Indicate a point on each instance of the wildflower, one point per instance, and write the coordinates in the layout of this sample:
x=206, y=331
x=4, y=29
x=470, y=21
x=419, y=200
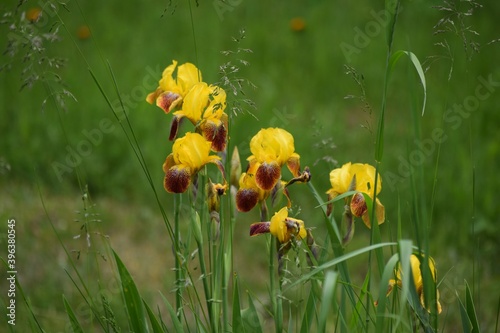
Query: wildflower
x=204, y=107
x=415, y=264
x=250, y=194
x=360, y=178
x=281, y=226
x=83, y=32
x=271, y=149
x=297, y=24
x=189, y=154
x=214, y=192
x=33, y=14
x=171, y=92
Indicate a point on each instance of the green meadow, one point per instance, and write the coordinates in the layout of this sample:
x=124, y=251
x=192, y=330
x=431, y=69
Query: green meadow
x=409, y=87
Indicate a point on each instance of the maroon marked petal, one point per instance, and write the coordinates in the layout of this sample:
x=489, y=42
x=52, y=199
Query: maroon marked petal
x=177, y=180
x=174, y=127
x=168, y=100
x=267, y=175
x=259, y=228
x=246, y=199
x=358, y=205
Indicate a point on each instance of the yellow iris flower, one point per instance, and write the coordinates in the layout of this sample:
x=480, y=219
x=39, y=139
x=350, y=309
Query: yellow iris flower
x=361, y=178
x=285, y=228
x=417, y=279
x=204, y=106
x=281, y=226
x=271, y=149
x=249, y=194
x=170, y=92
x=189, y=154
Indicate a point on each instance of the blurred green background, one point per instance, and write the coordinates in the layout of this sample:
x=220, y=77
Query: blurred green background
x=318, y=70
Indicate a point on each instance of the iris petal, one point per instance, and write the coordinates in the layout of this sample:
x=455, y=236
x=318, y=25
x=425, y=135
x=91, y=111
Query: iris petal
x=168, y=100
x=259, y=228
x=267, y=175
x=177, y=179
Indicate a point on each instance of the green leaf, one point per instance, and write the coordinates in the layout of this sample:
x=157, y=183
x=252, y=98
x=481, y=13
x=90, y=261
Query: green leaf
x=133, y=301
x=75, y=325
x=250, y=318
x=391, y=7
x=237, y=320
x=471, y=310
x=387, y=274
x=173, y=316
x=466, y=323
x=155, y=324
x=327, y=298
x=416, y=63
x=309, y=313
x=337, y=261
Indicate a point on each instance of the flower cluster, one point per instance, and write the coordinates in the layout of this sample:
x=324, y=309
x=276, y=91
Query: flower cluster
x=188, y=97
x=203, y=105
x=272, y=148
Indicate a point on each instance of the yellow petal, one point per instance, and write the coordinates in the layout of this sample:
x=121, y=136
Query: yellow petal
x=340, y=179
x=167, y=82
x=365, y=178
x=272, y=144
x=195, y=102
x=192, y=150
x=278, y=227
x=187, y=76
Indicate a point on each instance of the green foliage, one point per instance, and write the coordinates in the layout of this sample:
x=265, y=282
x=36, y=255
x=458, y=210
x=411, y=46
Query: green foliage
x=95, y=128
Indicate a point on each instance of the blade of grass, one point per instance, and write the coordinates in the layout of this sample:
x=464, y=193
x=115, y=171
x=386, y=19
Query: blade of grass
x=336, y=261
x=471, y=310
x=327, y=299
x=250, y=317
x=237, y=319
x=75, y=325
x=418, y=67
x=309, y=313
x=132, y=299
x=155, y=325
x=173, y=315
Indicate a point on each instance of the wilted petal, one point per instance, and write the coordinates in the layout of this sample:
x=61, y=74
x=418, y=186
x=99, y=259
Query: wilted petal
x=379, y=214
x=259, y=228
x=293, y=164
x=358, y=205
x=267, y=175
x=177, y=179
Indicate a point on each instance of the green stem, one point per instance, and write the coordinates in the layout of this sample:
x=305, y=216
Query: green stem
x=177, y=241
x=276, y=300
x=225, y=268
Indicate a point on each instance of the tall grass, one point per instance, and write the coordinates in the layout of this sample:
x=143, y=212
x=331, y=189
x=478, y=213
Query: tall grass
x=207, y=292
